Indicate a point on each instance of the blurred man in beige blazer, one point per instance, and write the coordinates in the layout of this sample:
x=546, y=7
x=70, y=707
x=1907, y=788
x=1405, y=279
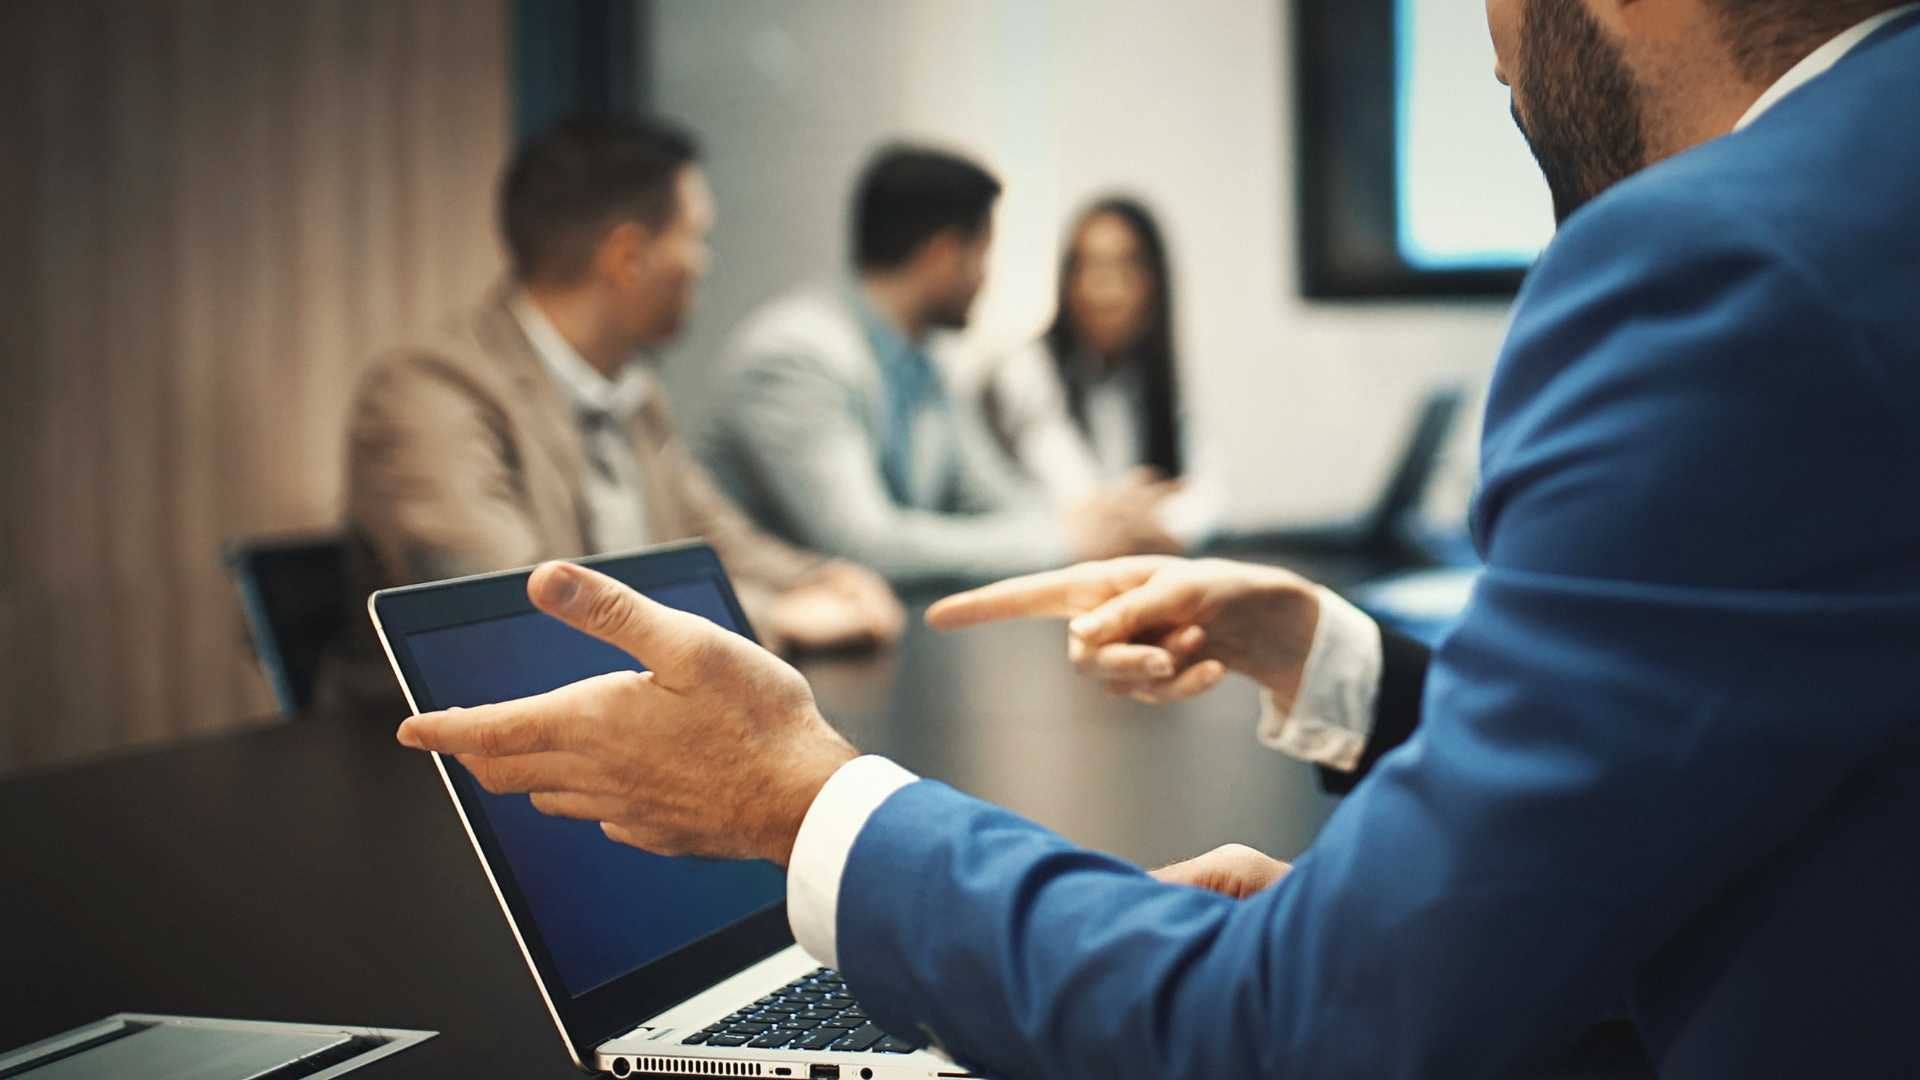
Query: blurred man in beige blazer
x=532, y=428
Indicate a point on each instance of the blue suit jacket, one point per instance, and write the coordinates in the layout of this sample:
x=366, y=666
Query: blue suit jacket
x=1672, y=756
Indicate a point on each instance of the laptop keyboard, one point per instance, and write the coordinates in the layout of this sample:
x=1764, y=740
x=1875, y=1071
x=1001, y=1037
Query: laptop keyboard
x=813, y=1012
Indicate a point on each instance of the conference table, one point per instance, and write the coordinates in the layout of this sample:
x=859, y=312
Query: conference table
x=311, y=870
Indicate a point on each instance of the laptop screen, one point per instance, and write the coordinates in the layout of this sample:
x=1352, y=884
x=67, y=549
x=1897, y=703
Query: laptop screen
x=603, y=909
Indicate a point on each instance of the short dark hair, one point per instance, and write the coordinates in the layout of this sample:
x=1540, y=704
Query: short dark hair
x=1770, y=36
x=907, y=195
x=568, y=185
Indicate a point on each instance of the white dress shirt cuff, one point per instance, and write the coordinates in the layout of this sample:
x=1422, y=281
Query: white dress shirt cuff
x=825, y=843
x=1332, y=716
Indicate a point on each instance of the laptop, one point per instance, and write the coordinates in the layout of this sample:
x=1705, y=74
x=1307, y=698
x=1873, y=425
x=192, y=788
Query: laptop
x=1391, y=527
x=648, y=965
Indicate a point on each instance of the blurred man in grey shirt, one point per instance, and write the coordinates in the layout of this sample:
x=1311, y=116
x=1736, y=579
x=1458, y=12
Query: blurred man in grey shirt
x=834, y=427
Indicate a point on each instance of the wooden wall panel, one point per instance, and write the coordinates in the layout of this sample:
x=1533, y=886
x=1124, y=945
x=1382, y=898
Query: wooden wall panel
x=19, y=329
x=217, y=212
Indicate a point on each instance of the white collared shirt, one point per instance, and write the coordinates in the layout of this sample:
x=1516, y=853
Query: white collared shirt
x=1331, y=718
x=1072, y=463
x=603, y=410
x=1819, y=62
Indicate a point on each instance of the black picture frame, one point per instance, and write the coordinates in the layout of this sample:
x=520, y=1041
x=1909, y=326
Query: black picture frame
x=1346, y=98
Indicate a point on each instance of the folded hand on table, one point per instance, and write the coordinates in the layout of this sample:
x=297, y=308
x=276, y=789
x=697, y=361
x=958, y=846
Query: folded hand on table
x=1123, y=519
x=841, y=604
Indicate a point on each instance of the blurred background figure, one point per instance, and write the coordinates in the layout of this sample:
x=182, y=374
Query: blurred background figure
x=227, y=213
x=532, y=427
x=1096, y=400
x=835, y=426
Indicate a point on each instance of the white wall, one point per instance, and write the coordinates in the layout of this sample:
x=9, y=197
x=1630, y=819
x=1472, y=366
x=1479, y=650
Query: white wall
x=1187, y=104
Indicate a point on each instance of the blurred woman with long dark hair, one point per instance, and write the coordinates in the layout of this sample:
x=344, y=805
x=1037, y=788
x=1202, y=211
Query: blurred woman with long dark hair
x=1096, y=400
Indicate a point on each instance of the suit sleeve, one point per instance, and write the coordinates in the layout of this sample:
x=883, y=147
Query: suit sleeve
x=430, y=481
x=1614, y=737
x=797, y=430
x=1396, y=712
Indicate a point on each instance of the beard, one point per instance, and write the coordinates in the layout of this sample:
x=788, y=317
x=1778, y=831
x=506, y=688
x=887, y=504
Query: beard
x=953, y=313
x=1582, y=115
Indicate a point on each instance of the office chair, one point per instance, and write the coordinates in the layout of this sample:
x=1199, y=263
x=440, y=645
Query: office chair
x=290, y=592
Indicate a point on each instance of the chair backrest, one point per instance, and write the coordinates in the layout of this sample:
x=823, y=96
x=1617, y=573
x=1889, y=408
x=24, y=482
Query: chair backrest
x=290, y=591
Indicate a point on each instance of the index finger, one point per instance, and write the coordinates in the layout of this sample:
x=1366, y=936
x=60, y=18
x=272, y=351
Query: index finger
x=1055, y=594
x=526, y=726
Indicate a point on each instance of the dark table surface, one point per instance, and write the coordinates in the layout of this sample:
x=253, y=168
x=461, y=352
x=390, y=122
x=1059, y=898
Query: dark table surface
x=313, y=871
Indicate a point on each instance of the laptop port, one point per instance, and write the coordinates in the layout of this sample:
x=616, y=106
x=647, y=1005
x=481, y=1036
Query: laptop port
x=823, y=1072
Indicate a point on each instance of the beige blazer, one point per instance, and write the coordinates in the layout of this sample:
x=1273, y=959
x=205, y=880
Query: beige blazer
x=463, y=457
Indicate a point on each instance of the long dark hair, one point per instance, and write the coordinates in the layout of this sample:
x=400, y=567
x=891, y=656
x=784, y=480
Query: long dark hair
x=1152, y=355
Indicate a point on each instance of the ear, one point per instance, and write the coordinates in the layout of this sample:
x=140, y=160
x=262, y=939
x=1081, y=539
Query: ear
x=623, y=252
x=944, y=249
x=1615, y=16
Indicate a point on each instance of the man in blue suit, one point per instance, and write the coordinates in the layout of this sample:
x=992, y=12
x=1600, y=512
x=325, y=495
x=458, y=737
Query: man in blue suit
x=1670, y=758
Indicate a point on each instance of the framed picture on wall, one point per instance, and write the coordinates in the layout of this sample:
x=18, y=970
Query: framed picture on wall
x=1413, y=178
